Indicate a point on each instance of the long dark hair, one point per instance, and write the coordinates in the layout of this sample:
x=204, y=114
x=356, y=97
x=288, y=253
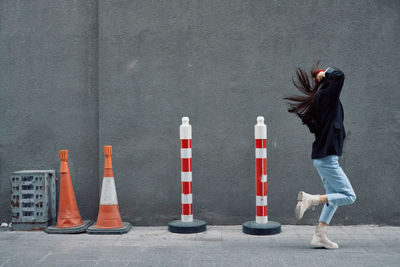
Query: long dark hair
x=304, y=106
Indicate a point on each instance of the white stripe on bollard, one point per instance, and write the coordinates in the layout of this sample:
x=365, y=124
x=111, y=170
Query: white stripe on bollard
x=186, y=153
x=261, y=153
x=261, y=219
x=262, y=201
x=187, y=218
x=186, y=176
x=187, y=198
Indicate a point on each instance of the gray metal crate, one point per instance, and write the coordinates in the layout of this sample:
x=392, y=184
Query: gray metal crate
x=33, y=199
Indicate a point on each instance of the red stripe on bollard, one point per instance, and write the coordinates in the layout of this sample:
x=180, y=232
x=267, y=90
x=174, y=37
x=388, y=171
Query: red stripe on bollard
x=186, y=165
x=261, y=143
x=186, y=143
x=260, y=191
x=259, y=188
x=186, y=187
x=187, y=209
x=260, y=210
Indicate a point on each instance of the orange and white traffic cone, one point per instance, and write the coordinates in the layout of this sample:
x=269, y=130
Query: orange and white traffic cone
x=109, y=220
x=69, y=219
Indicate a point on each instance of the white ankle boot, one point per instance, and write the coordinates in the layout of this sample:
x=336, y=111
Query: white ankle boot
x=305, y=201
x=320, y=240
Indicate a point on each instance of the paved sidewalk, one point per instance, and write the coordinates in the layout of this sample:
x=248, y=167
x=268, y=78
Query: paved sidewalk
x=219, y=246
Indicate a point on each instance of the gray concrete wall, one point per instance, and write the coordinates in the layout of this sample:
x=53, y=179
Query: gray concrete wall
x=222, y=63
x=48, y=93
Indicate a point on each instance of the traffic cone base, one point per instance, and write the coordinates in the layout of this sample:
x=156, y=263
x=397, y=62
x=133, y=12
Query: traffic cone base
x=93, y=230
x=72, y=230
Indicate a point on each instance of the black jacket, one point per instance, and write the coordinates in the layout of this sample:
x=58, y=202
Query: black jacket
x=329, y=114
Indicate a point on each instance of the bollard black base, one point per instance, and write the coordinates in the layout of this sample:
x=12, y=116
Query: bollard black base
x=73, y=230
x=92, y=230
x=253, y=228
x=197, y=226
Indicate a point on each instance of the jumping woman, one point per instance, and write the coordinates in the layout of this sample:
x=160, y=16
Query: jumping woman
x=321, y=110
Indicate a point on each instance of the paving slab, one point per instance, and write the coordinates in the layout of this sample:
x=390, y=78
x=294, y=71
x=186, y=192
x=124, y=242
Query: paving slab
x=218, y=246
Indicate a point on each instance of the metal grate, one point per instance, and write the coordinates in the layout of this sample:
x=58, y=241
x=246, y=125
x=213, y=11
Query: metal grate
x=33, y=199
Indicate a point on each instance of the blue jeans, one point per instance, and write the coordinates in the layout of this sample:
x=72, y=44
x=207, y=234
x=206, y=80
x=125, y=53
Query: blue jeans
x=338, y=188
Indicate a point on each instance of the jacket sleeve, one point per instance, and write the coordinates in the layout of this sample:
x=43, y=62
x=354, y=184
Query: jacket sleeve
x=337, y=79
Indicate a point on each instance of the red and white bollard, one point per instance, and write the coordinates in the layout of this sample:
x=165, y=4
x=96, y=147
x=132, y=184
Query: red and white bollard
x=186, y=170
x=261, y=226
x=260, y=132
x=187, y=224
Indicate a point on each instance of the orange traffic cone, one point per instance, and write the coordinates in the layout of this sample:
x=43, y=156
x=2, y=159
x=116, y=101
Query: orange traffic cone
x=109, y=220
x=69, y=219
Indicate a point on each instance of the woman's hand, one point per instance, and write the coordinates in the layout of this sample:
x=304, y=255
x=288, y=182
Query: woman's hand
x=320, y=75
